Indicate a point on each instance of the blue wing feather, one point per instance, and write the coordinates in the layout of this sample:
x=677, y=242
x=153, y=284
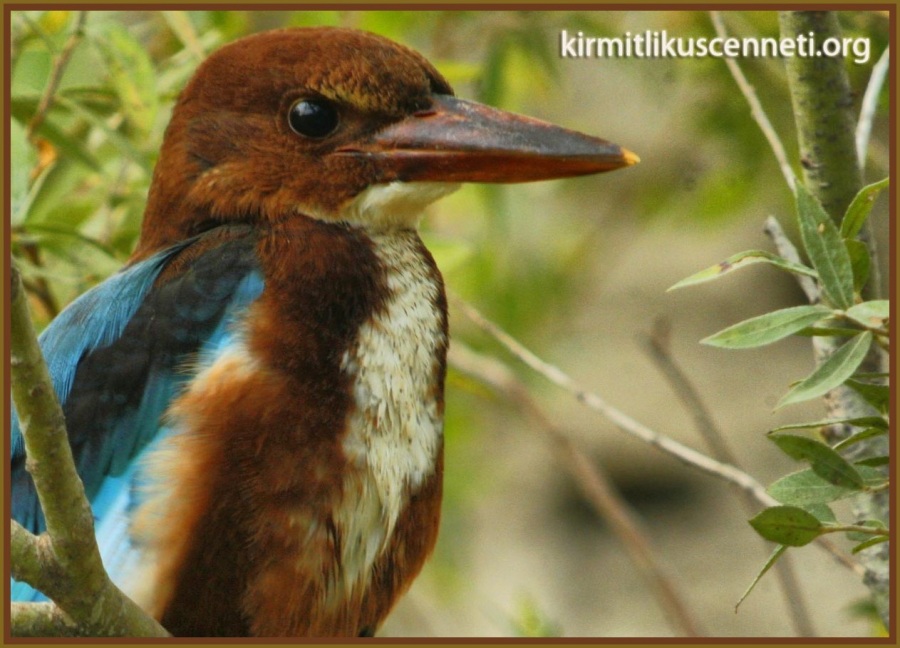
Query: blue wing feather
x=119, y=355
x=94, y=319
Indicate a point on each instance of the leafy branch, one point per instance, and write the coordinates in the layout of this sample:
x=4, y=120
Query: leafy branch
x=849, y=326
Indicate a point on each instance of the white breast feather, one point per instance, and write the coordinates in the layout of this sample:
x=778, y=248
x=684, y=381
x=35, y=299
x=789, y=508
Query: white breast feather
x=395, y=431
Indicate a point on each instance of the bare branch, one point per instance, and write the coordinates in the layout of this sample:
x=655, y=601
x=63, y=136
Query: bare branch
x=591, y=480
x=65, y=563
x=869, y=104
x=787, y=249
x=59, y=66
x=756, y=109
x=659, y=350
x=683, y=453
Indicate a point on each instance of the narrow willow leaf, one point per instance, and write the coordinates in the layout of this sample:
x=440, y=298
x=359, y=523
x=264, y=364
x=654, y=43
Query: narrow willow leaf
x=70, y=147
x=831, y=373
x=805, y=487
x=125, y=147
x=875, y=462
x=824, y=461
x=870, y=313
x=25, y=159
x=859, y=209
x=131, y=72
x=180, y=24
x=870, y=543
x=767, y=328
x=860, y=261
x=878, y=396
x=787, y=525
x=771, y=561
x=859, y=421
x=826, y=249
x=868, y=433
x=742, y=260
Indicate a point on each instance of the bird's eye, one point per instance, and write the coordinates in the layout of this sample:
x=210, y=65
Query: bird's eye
x=313, y=118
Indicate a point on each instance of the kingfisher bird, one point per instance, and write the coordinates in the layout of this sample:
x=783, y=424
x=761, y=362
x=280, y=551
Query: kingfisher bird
x=255, y=401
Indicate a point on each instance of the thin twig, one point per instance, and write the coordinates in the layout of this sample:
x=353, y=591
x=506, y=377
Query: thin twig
x=39, y=287
x=756, y=109
x=679, y=451
x=869, y=105
x=657, y=346
x=659, y=350
x=627, y=424
x=56, y=74
x=787, y=249
x=590, y=478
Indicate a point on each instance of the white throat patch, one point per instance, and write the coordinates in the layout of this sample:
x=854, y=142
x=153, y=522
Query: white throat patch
x=397, y=205
x=396, y=430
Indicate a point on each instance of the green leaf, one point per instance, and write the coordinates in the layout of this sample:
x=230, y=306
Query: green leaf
x=821, y=511
x=824, y=461
x=868, y=433
x=805, y=487
x=125, y=147
x=779, y=550
x=828, y=331
x=787, y=525
x=859, y=209
x=180, y=24
x=742, y=260
x=768, y=328
x=875, y=462
x=24, y=160
x=831, y=373
x=860, y=261
x=871, y=542
x=870, y=313
x=859, y=421
x=132, y=75
x=826, y=249
x=878, y=396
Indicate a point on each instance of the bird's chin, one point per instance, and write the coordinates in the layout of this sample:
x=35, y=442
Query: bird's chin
x=393, y=206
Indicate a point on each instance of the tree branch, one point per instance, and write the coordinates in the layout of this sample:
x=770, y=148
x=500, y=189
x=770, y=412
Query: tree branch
x=670, y=446
x=869, y=105
x=41, y=620
x=822, y=103
x=56, y=74
x=65, y=563
x=659, y=350
x=592, y=481
x=789, y=251
x=756, y=109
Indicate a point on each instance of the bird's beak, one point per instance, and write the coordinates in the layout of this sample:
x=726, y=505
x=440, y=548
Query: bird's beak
x=462, y=141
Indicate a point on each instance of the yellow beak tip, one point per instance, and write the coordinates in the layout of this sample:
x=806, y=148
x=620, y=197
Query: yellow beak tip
x=630, y=158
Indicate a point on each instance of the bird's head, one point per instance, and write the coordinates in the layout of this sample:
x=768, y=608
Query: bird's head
x=339, y=125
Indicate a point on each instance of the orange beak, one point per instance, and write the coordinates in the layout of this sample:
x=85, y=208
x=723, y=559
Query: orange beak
x=462, y=141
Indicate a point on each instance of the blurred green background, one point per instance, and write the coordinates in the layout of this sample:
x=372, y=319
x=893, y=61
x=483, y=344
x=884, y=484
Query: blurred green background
x=575, y=269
